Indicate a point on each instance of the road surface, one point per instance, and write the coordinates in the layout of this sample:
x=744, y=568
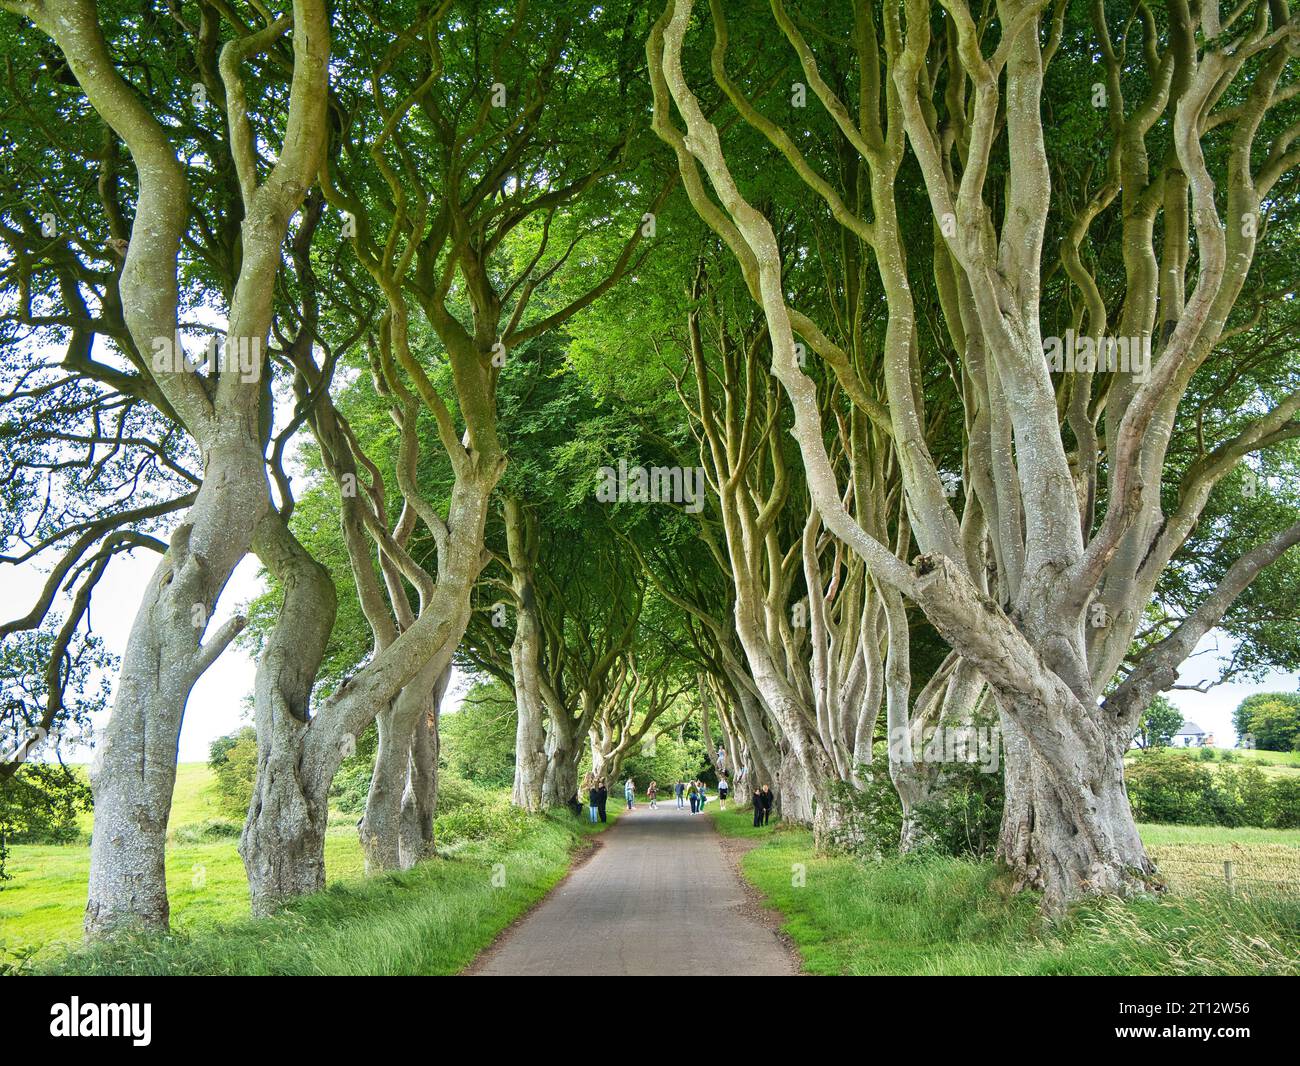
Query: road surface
x=659, y=897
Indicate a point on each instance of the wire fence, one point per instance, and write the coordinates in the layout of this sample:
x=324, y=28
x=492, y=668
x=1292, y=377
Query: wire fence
x=1235, y=876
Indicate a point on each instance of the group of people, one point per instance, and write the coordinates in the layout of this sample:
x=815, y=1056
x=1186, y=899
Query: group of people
x=597, y=795
x=693, y=793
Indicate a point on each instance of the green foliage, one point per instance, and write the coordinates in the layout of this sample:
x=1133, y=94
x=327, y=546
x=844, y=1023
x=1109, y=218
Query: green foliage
x=1178, y=787
x=39, y=804
x=1273, y=724
x=1166, y=786
x=468, y=812
x=350, y=786
x=671, y=758
x=477, y=742
x=961, y=817
x=1158, y=724
x=964, y=815
x=233, y=759
x=1241, y=717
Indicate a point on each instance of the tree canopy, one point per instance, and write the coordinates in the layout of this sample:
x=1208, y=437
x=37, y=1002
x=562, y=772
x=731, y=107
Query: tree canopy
x=796, y=383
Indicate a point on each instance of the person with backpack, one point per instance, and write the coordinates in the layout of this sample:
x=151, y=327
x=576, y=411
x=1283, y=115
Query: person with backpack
x=679, y=790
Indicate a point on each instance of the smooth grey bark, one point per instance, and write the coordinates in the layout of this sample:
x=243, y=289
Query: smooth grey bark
x=420, y=798
x=134, y=771
x=525, y=653
x=283, y=842
x=284, y=838
x=399, y=723
x=563, y=754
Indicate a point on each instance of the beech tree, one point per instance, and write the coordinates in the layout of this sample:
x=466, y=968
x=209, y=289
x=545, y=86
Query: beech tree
x=976, y=326
x=954, y=101
x=135, y=765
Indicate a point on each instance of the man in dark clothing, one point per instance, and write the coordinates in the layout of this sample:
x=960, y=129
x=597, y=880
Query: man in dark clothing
x=602, y=794
x=758, y=807
x=768, y=800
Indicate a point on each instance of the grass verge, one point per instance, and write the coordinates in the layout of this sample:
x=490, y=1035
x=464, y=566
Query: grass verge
x=433, y=919
x=939, y=915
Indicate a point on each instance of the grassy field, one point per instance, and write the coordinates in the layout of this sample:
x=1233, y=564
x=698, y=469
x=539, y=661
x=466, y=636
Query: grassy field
x=934, y=915
x=430, y=920
x=1270, y=763
x=1191, y=857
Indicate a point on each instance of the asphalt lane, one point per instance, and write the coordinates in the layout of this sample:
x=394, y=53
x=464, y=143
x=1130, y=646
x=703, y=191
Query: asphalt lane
x=658, y=898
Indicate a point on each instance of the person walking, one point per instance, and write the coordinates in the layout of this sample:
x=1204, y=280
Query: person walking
x=653, y=793
x=602, y=795
x=679, y=790
x=757, y=800
x=768, y=800
x=694, y=798
x=722, y=793
x=629, y=792
x=704, y=794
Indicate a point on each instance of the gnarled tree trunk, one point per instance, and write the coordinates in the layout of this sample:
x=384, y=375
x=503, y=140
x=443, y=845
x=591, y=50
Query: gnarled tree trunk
x=134, y=771
x=405, y=718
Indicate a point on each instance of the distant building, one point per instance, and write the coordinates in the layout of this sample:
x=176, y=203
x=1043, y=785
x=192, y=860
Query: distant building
x=1191, y=735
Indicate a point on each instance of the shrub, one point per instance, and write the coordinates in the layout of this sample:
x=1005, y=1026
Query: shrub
x=1240, y=795
x=206, y=831
x=39, y=804
x=964, y=815
x=351, y=785
x=1169, y=786
x=455, y=793
x=235, y=766
x=1286, y=803
x=1173, y=786
x=492, y=818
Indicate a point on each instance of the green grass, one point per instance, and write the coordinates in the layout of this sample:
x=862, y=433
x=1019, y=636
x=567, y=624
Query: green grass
x=433, y=919
x=1271, y=763
x=430, y=920
x=1217, y=836
x=41, y=907
x=936, y=915
x=1273, y=758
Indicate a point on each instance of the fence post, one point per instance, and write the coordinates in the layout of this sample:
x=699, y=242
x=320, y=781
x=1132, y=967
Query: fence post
x=1227, y=876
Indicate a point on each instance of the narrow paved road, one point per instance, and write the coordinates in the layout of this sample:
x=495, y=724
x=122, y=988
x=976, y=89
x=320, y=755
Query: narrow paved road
x=658, y=898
